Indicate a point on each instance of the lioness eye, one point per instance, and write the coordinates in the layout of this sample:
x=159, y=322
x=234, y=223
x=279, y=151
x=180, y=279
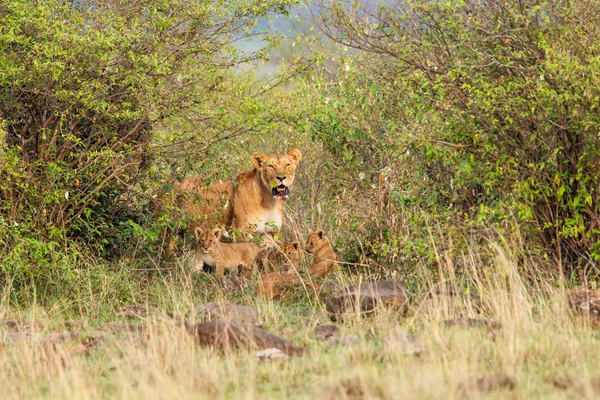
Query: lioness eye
x=287, y=165
x=270, y=166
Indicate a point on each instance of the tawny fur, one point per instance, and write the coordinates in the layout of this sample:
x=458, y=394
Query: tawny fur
x=325, y=258
x=256, y=209
x=253, y=203
x=207, y=205
x=272, y=285
x=282, y=257
x=223, y=256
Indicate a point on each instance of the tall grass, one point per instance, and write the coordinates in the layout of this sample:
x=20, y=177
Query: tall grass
x=538, y=347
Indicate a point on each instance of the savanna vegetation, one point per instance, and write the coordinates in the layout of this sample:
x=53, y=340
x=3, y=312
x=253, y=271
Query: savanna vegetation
x=452, y=143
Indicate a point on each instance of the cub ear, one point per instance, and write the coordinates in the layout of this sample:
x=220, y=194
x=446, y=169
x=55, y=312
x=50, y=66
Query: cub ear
x=320, y=233
x=198, y=232
x=258, y=159
x=295, y=244
x=217, y=233
x=296, y=155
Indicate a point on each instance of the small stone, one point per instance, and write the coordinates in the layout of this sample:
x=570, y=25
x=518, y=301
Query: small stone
x=229, y=311
x=491, y=325
x=324, y=332
x=270, y=354
x=367, y=298
x=343, y=341
x=138, y=311
x=585, y=303
x=485, y=384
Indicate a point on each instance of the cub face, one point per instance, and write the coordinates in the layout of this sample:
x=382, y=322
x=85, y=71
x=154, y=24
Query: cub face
x=207, y=239
x=291, y=251
x=315, y=241
x=277, y=171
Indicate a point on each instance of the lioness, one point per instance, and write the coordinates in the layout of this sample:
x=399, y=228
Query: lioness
x=206, y=204
x=284, y=256
x=325, y=258
x=254, y=200
x=260, y=192
x=222, y=256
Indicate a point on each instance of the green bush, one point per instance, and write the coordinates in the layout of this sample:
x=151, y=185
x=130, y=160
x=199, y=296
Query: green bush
x=83, y=87
x=493, y=106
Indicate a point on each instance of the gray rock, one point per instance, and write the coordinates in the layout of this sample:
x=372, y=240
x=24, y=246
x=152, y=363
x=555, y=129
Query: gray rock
x=324, y=332
x=229, y=335
x=367, y=297
x=491, y=325
x=270, y=354
x=229, y=311
x=585, y=302
x=343, y=341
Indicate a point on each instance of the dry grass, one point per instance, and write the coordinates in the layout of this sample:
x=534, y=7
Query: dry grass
x=540, y=351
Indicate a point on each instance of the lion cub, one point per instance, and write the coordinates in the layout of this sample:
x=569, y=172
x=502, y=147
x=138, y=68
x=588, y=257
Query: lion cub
x=325, y=258
x=282, y=257
x=222, y=256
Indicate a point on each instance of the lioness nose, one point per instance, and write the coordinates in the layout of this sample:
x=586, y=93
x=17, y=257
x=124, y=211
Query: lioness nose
x=281, y=178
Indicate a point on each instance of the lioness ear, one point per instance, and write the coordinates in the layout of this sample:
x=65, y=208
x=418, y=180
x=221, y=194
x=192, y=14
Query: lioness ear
x=320, y=233
x=217, y=233
x=295, y=244
x=198, y=232
x=296, y=155
x=258, y=158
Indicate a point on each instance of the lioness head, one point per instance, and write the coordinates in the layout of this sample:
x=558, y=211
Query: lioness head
x=277, y=171
x=315, y=241
x=207, y=239
x=291, y=250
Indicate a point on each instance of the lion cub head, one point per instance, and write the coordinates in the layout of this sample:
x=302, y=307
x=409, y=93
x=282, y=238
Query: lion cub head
x=277, y=171
x=207, y=239
x=315, y=241
x=291, y=250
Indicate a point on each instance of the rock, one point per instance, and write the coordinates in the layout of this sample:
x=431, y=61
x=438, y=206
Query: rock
x=233, y=312
x=228, y=335
x=446, y=299
x=370, y=296
x=488, y=384
x=23, y=326
x=343, y=341
x=51, y=338
x=72, y=324
x=118, y=326
x=491, y=325
x=324, y=332
x=561, y=382
x=137, y=311
x=585, y=302
x=233, y=283
x=400, y=341
x=270, y=354
x=9, y=323
x=354, y=389
x=331, y=285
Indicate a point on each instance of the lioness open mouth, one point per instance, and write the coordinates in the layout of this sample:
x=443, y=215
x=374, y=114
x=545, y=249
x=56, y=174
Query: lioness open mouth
x=281, y=192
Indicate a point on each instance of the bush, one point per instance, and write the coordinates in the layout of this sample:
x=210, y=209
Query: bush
x=82, y=88
x=502, y=99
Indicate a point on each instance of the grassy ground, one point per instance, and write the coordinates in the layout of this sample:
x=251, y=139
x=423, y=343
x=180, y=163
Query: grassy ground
x=540, y=351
